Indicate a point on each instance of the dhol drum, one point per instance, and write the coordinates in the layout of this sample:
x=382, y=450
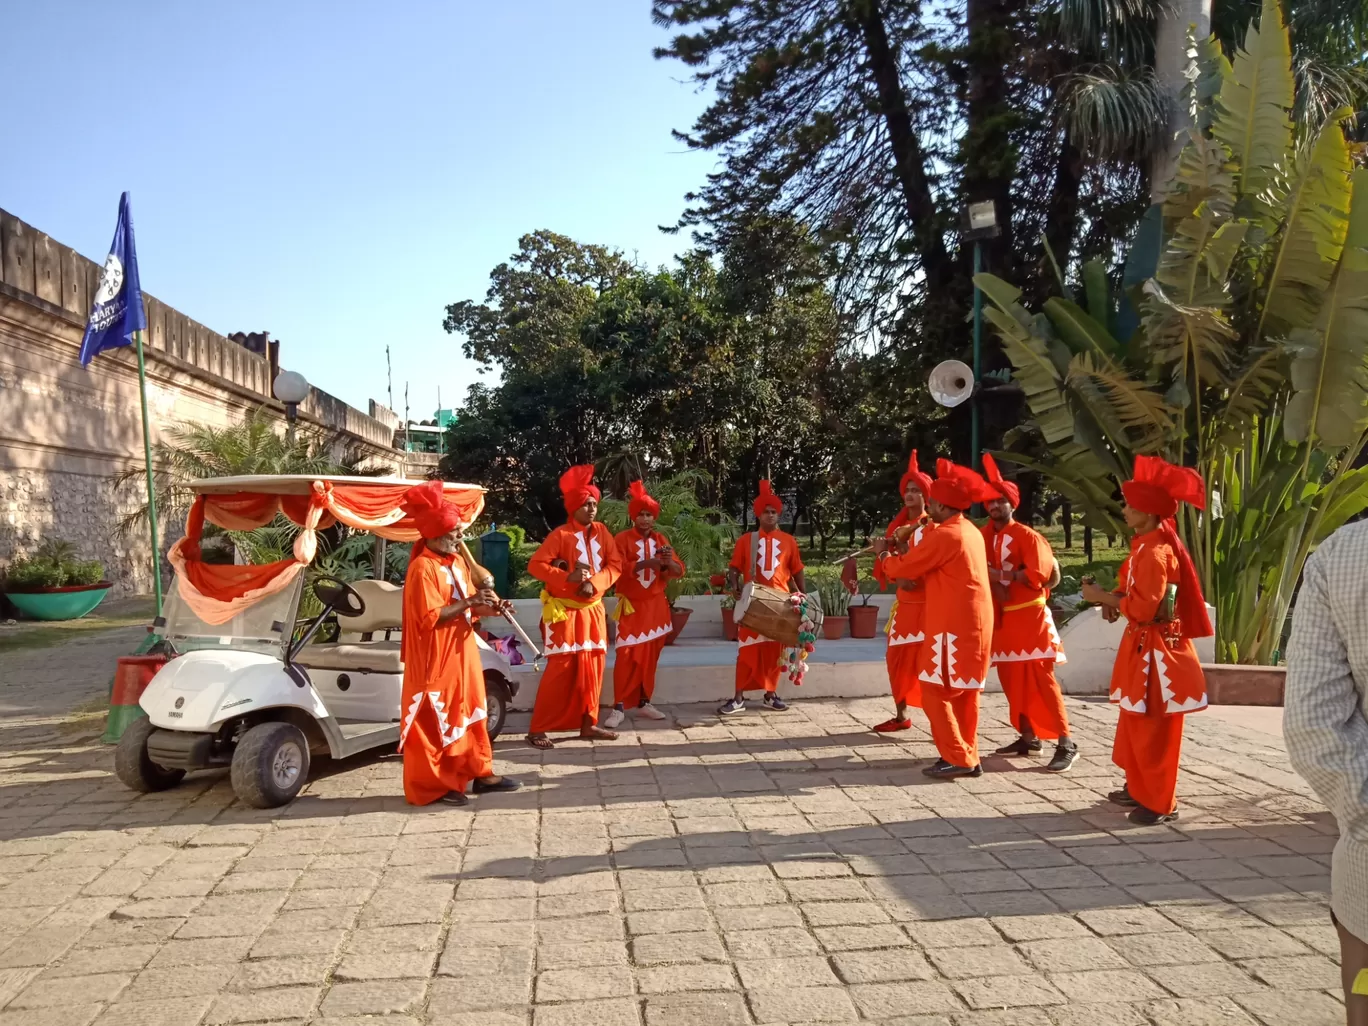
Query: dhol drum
x=768, y=611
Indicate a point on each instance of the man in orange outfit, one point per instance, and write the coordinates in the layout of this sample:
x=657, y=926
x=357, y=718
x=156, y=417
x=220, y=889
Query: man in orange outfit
x=1026, y=645
x=1157, y=679
x=952, y=564
x=577, y=563
x=906, y=617
x=443, y=736
x=766, y=556
x=642, y=612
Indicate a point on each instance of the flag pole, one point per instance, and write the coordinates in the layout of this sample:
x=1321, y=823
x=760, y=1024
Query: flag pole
x=151, y=486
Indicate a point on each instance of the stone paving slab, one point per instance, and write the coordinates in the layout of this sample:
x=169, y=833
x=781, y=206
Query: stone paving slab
x=768, y=869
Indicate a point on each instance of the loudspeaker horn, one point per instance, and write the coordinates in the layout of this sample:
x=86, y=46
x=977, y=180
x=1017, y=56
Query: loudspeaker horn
x=951, y=382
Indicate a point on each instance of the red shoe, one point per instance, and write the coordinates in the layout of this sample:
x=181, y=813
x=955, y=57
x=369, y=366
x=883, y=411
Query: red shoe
x=890, y=726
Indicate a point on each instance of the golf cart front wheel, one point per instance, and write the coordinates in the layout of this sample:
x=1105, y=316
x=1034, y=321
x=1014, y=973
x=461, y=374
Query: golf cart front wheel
x=497, y=701
x=270, y=765
x=134, y=766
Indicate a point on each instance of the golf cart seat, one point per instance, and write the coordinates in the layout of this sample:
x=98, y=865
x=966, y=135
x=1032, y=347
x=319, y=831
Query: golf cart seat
x=384, y=614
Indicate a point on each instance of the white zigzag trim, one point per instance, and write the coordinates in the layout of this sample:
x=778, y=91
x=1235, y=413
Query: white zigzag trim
x=760, y=640
x=968, y=685
x=895, y=640
x=410, y=717
x=584, y=646
x=1114, y=696
x=934, y=677
x=448, y=734
x=627, y=640
x=1191, y=705
x=1137, y=707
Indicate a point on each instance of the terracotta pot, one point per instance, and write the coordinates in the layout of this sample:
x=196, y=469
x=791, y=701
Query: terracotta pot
x=1236, y=684
x=680, y=615
x=864, y=621
x=834, y=627
x=729, y=624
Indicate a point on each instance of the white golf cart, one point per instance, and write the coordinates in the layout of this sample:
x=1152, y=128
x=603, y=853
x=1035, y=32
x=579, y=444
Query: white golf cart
x=256, y=693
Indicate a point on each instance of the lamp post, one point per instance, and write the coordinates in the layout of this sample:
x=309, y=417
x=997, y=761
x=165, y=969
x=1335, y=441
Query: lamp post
x=981, y=221
x=291, y=389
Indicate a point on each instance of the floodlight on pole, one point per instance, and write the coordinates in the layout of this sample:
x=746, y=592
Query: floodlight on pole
x=980, y=219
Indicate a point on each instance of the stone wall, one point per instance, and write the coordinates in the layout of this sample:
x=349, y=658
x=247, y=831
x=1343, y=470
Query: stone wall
x=67, y=432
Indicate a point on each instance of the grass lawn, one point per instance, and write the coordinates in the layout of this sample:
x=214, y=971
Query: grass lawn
x=23, y=634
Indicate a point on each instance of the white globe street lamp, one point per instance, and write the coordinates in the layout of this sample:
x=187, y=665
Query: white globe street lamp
x=291, y=388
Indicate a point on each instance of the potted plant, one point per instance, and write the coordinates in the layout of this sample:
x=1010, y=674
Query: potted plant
x=835, y=608
x=729, y=630
x=53, y=584
x=864, y=618
x=674, y=588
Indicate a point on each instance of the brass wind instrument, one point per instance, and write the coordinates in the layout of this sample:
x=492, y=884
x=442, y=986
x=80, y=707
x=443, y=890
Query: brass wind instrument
x=483, y=579
x=900, y=535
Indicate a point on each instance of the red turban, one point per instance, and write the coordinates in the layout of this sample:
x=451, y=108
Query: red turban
x=1156, y=487
x=432, y=515
x=959, y=487
x=577, y=486
x=1006, y=489
x=914, y=476
x=766, y=500
x=640, y=501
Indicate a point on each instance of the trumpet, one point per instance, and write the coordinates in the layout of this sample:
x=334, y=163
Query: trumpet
x=483, y=579
x=900, y=535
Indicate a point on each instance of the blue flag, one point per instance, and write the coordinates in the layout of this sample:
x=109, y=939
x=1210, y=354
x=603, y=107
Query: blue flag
x=117, y=310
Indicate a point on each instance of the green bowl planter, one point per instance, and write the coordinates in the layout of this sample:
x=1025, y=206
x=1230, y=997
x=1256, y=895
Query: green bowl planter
x=69, y=603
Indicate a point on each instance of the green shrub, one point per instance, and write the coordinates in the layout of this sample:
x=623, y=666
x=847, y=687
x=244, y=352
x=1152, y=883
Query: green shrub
x=834, y=598
x=53, y=565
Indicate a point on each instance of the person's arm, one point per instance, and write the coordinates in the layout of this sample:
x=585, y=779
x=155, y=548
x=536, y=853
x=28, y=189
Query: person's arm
x=612, y=562
x=672, y=565
x=795, y=565
x=736, y=570
x=1323, y=723
x=556, y=579
x=935, y=550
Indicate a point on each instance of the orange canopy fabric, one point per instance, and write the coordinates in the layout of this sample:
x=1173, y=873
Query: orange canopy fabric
x=217, y=593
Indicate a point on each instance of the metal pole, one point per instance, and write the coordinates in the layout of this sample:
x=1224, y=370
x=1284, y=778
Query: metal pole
x=978, y=354
x=151, y=486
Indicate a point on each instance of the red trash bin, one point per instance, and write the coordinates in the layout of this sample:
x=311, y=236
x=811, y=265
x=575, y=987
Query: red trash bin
x=131, y=678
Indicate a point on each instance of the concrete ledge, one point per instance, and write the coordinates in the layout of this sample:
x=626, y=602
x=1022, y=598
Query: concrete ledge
x=1234, y=684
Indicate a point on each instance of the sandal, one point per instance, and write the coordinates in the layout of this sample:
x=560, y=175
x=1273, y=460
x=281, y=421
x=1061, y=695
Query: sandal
x=889, y=726
x=597, y=733
x=540, y=741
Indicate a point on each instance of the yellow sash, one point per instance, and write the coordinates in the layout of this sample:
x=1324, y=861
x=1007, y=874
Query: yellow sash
x=892, y=612
x=554, y=609
x=1039, y=600
x=623, y=607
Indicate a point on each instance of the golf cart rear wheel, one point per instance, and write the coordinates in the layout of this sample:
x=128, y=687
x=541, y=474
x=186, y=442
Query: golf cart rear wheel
x=270, y=765
x=133, y=766
x=496, y=703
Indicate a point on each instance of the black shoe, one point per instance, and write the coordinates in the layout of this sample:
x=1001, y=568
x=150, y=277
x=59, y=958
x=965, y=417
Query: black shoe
x=943, y=770
x=454, y=798
x=1142, y=816
x=1065, y=755
x=1122, y=797
x=1021, y=747
x=504, y=784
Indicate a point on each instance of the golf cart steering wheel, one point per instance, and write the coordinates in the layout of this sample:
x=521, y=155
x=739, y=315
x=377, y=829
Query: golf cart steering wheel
x=339, y=596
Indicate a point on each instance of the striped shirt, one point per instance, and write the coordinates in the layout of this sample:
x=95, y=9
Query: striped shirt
x=1325, y=719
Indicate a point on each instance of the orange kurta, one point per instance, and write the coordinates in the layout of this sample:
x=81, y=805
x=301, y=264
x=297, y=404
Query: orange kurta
x=574, y=628
x=1157, y=678
x=643, y=616
x=443, y=735
x=952, y=564
x=770, y=558
x=1026, y=644
x=906, y=625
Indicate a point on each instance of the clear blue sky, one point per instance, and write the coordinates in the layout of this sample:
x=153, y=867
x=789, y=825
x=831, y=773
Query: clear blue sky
x=336, y=173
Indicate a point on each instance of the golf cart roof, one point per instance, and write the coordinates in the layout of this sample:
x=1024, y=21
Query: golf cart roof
x=302, y=484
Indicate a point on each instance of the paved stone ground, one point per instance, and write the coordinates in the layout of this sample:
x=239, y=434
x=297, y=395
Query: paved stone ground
x=775, y=868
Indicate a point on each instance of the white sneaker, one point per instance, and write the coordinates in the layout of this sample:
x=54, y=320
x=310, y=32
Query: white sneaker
x=650, y=712
x=614, y=719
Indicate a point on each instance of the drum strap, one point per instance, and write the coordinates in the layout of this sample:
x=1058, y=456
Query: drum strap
x=755, y=555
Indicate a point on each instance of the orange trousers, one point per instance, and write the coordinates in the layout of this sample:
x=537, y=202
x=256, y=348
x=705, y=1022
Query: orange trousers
x=902, y=663
x=1032, y=691
x=634, y=673
x=1147, y=749
x=954, y=716
x=757, y=666
x=430, y=770
x=570, y=688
